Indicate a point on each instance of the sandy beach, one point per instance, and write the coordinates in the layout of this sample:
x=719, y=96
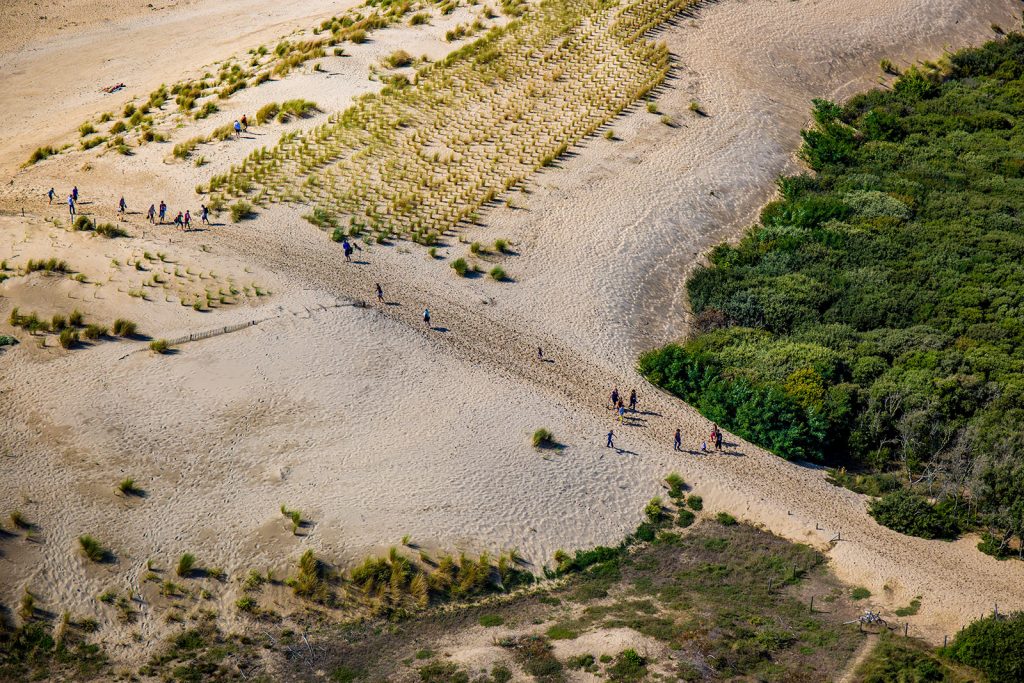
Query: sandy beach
x=373, y=424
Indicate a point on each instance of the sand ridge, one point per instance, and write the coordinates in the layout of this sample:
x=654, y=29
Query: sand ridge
x=377, y=428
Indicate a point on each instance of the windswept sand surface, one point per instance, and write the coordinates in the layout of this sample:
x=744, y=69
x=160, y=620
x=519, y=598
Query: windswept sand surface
x=374, y=426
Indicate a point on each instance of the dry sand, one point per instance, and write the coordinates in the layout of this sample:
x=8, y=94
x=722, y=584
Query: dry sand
x=374, y=426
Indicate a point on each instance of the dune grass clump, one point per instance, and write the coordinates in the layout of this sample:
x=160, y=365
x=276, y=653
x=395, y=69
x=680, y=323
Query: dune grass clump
x=267, y=112
x=124, y=328
x=93, y=549
x=40, y=154
x=19, y=520
x=498, y=274
x=461, y=267
x=543, y=438
x=128, y=487
x=159, y=346
x=67, y=338
x=298, y=108
x=183, y=150
x=186, y=564
x=321, y=218
x=695, y=502
x=50, y=265
x=311, y=580
x=82, y=223
x=110, y=231
x=86, y=129
x=398, y=59
x=75, y=318
x=295, y=516
x=241, y=210
x=93, y=331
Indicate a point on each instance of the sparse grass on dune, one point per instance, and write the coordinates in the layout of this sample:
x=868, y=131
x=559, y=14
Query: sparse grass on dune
x=429, y=152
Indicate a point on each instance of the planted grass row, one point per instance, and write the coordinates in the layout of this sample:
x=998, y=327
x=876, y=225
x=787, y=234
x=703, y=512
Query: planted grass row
x=402, y=162
x=69, y=329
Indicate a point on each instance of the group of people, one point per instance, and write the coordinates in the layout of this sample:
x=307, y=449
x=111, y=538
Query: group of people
x=183, y=221
x=72, y=200
x=715, y=438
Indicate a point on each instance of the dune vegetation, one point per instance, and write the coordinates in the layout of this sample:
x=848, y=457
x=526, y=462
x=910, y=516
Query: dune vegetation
x=873, y=318
x=403, y=163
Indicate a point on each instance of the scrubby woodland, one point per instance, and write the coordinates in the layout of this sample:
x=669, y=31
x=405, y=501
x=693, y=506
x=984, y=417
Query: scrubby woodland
x=874, y=318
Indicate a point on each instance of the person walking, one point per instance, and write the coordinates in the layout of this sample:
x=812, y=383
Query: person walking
x=71, y=206
x=50, y=195
x=718, y=440
x=622, y=412
x=615, y=397
x=380, y=293
x=151, y=214
x=347, y=248
x=179, y=221
x=540, y=354
x=205, y=215
x=163, y=212
x=245, y=124
x=714, y=434
x=632, y=401
x=74, y=193
x=122, y=206
x=238, y=129
x=188, y=219
x=426, y=316
x=678, y=445
x=611, y=438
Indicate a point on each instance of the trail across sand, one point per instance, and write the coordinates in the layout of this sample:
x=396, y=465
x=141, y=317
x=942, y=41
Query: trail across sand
x=376, y=428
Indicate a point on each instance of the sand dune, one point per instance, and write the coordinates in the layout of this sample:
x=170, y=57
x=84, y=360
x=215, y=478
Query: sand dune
x=376, y=427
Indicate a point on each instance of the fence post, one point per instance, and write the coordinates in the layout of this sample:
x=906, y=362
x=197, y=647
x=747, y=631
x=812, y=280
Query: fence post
x=906, y=628
x=812, y=604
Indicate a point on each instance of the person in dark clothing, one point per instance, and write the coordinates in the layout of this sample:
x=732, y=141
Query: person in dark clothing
x=678, y=441
x=718, y=440
x=611, y=438
x=380, y=293
x=632, y=400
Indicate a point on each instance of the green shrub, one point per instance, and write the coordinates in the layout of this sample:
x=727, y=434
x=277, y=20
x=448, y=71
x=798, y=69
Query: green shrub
x=629, y=666
x=460, y=266
x=685, y=518
x=491, y=620
x=654, y=510
x=676, y=485
x=498, y=273
x=695, y=502
x=725, y=519
x=994, y=645
x=911, y=514
x=860, y=593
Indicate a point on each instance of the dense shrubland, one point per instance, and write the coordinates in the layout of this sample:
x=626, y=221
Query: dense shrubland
x=874, y=318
